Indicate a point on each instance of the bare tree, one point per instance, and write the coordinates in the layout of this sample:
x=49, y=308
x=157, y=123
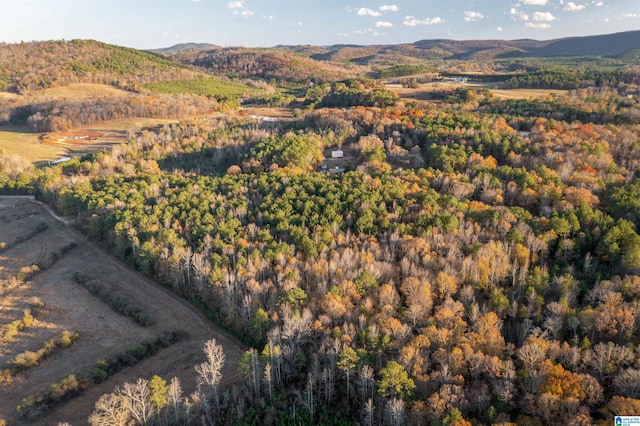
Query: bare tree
x=368, y=413
x=174, y=396
x=137, y=397
x=627, y=383
x=210, y=371
x=110, y=410
x=395, y=411
x=268, y=379
x=366, y=382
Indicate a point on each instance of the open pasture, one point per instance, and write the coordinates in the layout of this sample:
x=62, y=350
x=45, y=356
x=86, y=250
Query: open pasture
x=18, y=141
x=79, y=91
x=425, y=92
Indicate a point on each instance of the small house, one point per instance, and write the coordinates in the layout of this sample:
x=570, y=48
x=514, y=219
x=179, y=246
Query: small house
x=338, y=153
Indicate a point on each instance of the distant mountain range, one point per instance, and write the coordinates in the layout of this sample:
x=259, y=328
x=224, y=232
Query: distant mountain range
x=185, y=47
x=323, y=63
x=601, y=45
x=598, y=45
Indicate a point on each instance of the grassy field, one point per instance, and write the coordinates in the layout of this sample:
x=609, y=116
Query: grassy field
x=204, y=87
x=8, y=95
x=131, y=123
x=17, y=141
x=27, y=145
x=80, y=91
x=69, y=306
x=424, y=91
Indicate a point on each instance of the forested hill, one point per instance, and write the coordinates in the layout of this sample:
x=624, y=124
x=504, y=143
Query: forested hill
x=275, y=64
x=601, y=45
x=25, y=67
x=185, y=47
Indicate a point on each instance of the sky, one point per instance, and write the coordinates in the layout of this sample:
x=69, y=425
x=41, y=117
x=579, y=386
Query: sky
x=148, y=24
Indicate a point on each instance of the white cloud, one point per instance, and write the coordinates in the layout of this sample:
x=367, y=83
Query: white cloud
x=543, y=17
x=269, y=17
x=518, y=15
x=383, y=24
x=572, y=7
x=412, y=21
x=598, y=3
x=364, y=11
x=538, y=25
x=246, y=13
x=235, y=5
x=535, y=2
x=471, y=16
x=370, y=31
x=498, y=28
x=389, y=8
x=630, y=15
x=343, y=35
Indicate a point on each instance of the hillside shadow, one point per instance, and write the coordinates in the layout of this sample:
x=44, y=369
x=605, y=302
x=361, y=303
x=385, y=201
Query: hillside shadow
x=212, y=161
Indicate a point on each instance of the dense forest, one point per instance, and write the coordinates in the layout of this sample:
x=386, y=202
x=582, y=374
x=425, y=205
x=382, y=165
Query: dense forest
x=267, y=64
x=476, y=261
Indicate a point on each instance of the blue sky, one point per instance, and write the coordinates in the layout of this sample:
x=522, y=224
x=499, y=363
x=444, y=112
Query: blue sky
x=161, y=23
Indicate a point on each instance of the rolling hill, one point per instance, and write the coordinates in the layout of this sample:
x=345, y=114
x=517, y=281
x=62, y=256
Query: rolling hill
x=185, y=47
x=27, y=67
x=619, y=45
x=278, y=64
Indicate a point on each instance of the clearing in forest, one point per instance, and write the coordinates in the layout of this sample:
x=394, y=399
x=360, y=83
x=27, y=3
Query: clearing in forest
x=59, y=302
x=425, y=92
x=19, y=141
x=80, y=91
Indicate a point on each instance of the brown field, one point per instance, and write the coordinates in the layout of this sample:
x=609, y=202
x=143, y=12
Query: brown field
x=263, y=111
x=68, y=306
x=423, y=93
x=8, y=95
x=130, y=123
x=80, y=91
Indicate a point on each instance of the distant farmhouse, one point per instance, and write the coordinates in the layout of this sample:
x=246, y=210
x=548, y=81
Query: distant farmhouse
x=456, y=79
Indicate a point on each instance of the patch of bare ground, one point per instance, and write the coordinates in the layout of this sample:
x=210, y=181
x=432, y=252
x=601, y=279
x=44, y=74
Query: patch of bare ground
x=263, y=111
x=83, y=141
x=103, y=332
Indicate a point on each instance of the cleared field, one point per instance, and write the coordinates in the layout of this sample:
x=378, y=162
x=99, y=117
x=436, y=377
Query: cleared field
x=102, y=331
x=425, y=91
x=41, y=147
x=262, y=111
x=525, y=93
x=131, y=123
x=15, y=140
x=80, y=91
x=8, y=95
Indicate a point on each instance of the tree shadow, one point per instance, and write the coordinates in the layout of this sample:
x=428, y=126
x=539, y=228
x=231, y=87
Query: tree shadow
x=210, y=161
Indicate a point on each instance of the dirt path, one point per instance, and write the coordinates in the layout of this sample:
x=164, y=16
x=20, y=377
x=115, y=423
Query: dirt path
x=68, y=306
